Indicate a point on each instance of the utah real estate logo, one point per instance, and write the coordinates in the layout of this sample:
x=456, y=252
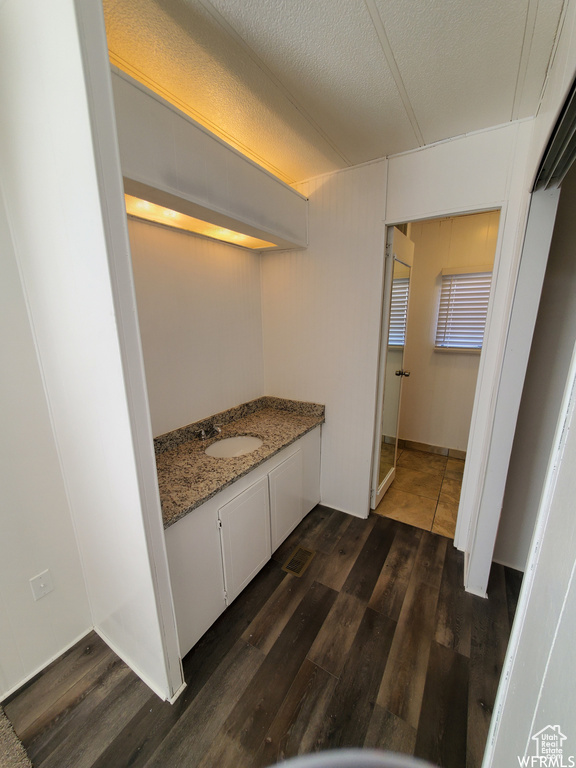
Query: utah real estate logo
x=550, y=752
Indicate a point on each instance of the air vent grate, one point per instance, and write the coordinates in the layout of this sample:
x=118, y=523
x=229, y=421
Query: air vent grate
x=298, y=561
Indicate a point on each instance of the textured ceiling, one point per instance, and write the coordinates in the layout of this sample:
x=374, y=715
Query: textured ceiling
x=306, y=87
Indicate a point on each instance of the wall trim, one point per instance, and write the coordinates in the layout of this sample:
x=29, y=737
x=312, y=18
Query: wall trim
x=26, y=681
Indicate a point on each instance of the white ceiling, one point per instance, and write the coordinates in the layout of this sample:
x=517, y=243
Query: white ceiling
x=309, y=86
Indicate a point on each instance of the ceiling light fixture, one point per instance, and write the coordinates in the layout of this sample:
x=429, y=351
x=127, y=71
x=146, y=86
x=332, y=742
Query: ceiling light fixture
x=143, y=209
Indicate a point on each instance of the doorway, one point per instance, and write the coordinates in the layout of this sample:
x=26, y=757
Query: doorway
x=431, y=377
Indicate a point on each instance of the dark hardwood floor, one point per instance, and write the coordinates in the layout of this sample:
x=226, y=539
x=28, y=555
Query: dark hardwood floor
x=376, y=645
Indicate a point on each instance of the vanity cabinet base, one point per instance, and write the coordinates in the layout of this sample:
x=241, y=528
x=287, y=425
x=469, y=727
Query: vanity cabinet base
x=215, y=550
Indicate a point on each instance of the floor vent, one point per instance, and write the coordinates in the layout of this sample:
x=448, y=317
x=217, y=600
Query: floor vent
x=298, y=561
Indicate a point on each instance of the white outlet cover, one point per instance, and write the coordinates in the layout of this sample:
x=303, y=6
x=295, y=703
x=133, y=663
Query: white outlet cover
x=42, y=584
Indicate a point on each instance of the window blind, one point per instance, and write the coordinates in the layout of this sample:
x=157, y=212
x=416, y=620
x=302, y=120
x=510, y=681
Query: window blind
x=398, y=311
x=463, y=309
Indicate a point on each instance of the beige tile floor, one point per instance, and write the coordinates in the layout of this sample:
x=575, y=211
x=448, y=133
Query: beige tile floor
x=425, y=492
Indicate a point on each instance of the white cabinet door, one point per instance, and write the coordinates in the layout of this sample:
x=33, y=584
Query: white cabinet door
x=194, y=555
x=245, y=530
x=286, y=497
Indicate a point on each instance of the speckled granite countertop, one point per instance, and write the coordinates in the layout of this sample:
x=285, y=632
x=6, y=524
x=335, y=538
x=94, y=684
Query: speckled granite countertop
x=187, y=477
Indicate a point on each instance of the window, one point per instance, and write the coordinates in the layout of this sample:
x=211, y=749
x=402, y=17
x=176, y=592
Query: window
x=463, y=308
x=398, y=311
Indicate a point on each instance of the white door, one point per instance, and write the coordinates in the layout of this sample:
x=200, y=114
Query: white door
x=399, y=260
x=286, y=495
x=245, y=536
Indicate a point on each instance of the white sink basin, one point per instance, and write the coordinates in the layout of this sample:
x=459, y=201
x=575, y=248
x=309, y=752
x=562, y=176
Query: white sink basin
x=229, y=447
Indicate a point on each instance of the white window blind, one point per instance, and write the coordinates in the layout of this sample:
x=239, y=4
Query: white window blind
x=398, y=311
x=463, y=309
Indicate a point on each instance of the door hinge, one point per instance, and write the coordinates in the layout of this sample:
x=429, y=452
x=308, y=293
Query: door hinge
x=219, y=524
x=226, y=597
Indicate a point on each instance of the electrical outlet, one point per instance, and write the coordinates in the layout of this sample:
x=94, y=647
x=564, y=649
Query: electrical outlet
x=41, y=584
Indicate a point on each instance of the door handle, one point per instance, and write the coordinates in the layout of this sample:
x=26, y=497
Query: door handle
x=403, y=373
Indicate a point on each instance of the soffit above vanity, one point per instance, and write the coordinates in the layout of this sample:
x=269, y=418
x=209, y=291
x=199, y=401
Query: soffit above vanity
x=170, y=161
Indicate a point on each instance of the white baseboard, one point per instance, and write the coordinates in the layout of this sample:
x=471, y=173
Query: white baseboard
x=5, y=694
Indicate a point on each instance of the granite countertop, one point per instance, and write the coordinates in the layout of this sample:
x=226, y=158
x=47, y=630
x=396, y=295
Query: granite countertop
x=187, y=477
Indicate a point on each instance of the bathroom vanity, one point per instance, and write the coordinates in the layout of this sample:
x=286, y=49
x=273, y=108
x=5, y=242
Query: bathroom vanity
x=225, y=516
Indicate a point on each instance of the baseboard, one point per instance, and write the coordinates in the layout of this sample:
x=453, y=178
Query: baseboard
x=178, y=692
x=509, y=565
x=162, y=694
x=452, y=453
x=29, y=679
x=477, y=592
x=344, y=511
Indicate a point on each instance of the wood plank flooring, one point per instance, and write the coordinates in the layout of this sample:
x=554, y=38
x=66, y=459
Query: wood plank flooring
x=376, y=645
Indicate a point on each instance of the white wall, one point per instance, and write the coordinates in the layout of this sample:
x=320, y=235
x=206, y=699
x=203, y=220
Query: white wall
x=545, y=379
x=199, y=305
x=522, y=491
x=36, y=530
x=63, y=196
x=321, y=321
x=485, y=170
x=321, y=307
x=506, y=402
x=537, y=684
x=457, y=176
x=438, y=396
